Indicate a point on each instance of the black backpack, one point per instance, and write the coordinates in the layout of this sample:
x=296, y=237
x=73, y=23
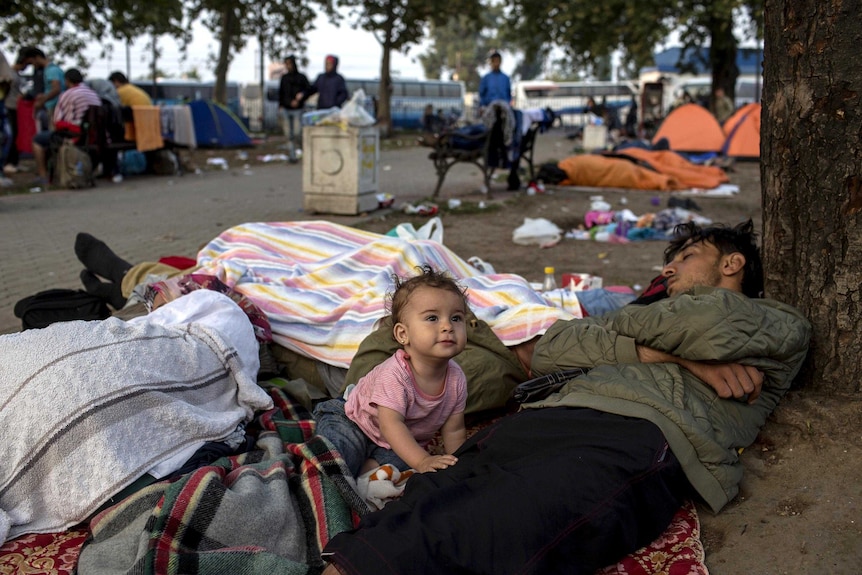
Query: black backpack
x=55, y=305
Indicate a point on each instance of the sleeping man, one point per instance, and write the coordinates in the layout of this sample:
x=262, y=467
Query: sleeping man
x=576, y=481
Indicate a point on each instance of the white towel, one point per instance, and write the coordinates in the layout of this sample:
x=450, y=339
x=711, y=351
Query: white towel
x=86, y=408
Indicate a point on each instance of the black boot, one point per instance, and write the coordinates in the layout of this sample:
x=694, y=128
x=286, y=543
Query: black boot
x=110, y=292
x=99, y=259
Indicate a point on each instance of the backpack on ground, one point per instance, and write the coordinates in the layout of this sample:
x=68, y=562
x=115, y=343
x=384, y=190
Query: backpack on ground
x=73, y=168
x=56, y=305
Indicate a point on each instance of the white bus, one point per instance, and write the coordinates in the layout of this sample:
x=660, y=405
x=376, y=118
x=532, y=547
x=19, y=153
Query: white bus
x=569, y=99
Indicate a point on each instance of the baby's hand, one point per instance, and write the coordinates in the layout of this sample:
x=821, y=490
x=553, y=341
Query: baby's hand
x=434, y=462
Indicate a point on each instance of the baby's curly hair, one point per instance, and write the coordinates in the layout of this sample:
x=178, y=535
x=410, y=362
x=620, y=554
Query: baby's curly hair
x=427, y=277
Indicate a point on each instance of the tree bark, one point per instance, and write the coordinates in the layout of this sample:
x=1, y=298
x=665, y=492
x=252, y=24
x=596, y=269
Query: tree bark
x=384, y=92
x=227, y=29
x=811, y=171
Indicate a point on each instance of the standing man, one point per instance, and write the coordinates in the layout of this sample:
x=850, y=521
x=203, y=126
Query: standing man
x=330, y=87
x=53, y=78
x=495, y=85
x=293, y=82
x=722, y=107
x=68, y=115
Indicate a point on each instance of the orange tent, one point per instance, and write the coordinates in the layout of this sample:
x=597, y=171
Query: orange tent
x=742, y=130
x=691, y=128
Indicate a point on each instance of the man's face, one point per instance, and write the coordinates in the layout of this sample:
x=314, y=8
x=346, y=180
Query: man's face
x=291, y=67
x=329, y=65
x=696, y=264
x=495, y=63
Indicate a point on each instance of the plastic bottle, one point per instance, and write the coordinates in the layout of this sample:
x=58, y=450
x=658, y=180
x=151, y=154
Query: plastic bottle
x=550, y=282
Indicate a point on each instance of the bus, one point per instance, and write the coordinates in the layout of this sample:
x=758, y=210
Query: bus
x=408, y=100
x=569, y=99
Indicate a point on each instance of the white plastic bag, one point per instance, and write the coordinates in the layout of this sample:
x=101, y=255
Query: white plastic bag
x=537, y=231
x=353, y=113
x=431, y=230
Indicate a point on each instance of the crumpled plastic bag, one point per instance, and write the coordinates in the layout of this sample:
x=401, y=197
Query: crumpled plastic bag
x=537, y=231
x=432, y=230
x=353, y=113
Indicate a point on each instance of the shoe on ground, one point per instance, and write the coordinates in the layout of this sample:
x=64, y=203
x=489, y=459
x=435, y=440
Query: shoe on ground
x=9, y=169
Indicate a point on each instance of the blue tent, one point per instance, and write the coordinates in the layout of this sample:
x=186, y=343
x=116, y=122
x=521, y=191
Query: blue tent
x=217, y=127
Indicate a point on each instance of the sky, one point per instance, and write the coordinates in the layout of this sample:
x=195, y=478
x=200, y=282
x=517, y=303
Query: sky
x=358, y=51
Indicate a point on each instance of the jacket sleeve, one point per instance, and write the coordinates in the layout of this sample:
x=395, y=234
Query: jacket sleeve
x=712, y=325
x=722, y=326
x=584, y=343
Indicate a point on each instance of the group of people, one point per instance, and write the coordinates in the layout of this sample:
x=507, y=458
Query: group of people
x=676, y=384
x=294, y=89
x=61, y=100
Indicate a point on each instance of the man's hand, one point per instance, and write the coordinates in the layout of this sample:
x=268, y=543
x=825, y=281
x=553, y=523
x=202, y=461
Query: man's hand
x=727, y=379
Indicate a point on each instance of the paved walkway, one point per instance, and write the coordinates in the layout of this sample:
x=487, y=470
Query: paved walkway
x=145, y=218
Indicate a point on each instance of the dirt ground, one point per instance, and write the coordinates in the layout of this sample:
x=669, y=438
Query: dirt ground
x=799, y=507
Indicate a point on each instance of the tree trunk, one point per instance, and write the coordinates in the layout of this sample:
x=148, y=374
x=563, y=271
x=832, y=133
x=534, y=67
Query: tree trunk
x=384, y=93
x=811, y=169
x=225, y=37
x=722, y=54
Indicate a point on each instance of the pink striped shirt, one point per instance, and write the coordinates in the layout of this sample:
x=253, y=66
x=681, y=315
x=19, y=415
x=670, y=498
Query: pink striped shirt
x=73, y=104
x=391, y=384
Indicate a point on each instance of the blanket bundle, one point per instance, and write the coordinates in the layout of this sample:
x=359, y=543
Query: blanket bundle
x=636, y=168
x=271, y=510
x=323, y=286
x=87, y=408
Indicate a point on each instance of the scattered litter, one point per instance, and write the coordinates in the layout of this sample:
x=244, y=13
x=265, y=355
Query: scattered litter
x=273, y=158
x=242, y=155
x=35, y=190
x=198, y=171
x=534, y=188
x=481, y=205
x=385, y=200
x=454, y=203
x=624, y=201
x=481, y=265
x=217, y=162
x=637, y=287
x=537, y=231
x=387, y=168
x=598, y=204
x=421, y=209
x=118, y=178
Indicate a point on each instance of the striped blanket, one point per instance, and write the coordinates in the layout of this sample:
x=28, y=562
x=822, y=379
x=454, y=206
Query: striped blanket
x=323, y=286
x=271, y=510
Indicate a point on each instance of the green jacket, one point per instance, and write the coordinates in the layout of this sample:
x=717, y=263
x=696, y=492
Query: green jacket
x=492, y=370
x=704, y=431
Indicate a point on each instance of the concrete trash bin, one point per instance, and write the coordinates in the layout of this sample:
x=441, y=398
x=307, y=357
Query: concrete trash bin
x=340, y=169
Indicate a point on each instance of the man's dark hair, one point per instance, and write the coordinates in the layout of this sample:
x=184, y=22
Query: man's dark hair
x=428, y=277
x=118, y=77
x=73, y=76
x=740, y=238
x=30, y=52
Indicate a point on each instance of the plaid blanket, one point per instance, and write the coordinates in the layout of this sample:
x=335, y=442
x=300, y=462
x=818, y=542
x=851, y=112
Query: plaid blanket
x=271, y=510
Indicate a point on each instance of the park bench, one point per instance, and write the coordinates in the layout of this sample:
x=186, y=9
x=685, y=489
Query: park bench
x=454, y=147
